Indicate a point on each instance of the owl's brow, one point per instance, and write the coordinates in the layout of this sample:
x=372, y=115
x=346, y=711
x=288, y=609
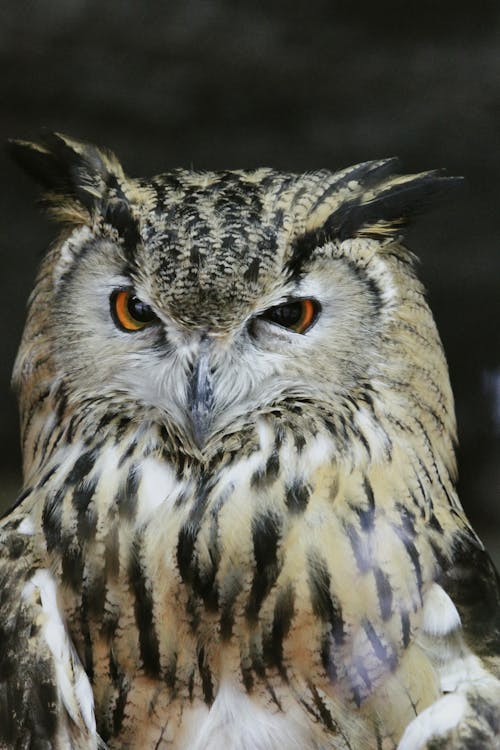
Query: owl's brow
x=118, y=214
x=341, y=225
x=119, y=217
x=303, y=248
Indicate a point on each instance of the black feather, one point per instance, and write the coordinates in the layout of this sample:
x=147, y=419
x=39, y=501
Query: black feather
x=62, y=166
x=398, y=205
x=367, y=174
x=473, y=584
x=69, y=169
x=386, y=211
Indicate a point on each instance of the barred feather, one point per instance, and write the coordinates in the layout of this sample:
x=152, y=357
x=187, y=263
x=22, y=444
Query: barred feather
x=232, y=533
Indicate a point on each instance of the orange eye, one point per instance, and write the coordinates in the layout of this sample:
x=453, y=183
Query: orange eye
x=129, y=312
x=297, y=315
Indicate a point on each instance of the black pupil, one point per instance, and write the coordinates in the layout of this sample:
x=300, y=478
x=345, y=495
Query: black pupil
x=139, y=310
x=286, y=315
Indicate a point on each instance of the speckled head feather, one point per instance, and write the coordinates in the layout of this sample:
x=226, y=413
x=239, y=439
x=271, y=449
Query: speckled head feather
x=239, y=525
x=217, y=240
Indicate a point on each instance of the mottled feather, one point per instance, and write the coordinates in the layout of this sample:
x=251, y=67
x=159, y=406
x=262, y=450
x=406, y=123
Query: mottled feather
x=239, y=533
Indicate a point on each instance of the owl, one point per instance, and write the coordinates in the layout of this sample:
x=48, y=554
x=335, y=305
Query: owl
x=239, y=525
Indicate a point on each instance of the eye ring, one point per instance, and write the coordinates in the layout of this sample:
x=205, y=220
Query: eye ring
x=297, y=315
x=129, y=312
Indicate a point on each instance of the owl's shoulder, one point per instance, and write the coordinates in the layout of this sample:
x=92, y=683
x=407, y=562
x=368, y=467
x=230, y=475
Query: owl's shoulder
x=46, y=695
x=473, y=584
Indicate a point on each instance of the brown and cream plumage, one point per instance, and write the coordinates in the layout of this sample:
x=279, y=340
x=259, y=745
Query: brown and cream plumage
x=239, y=524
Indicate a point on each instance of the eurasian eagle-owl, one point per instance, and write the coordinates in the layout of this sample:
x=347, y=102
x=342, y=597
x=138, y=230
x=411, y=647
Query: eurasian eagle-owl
x=239, y=526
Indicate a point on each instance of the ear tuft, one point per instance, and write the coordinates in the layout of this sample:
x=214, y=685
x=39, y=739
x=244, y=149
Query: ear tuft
x=74, y=175
x=384, y=207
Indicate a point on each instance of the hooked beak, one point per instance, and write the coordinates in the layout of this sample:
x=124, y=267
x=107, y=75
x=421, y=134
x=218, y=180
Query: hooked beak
x=200, y=399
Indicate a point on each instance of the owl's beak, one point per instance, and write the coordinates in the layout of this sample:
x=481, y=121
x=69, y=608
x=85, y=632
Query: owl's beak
x=200, y=399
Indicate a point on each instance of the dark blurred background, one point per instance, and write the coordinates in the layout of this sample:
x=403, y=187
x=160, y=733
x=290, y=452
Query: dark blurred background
x=295, y=85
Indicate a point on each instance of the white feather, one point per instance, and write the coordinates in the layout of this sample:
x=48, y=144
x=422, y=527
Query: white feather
x=435, y=721
x=440, y=615
x=26, y=526
x=318, y=452
x=462, y=670
x=373, y=433
x=78, y=236
x=442, y=638
x=236, y=722
x=72, y=683
x=158, y=486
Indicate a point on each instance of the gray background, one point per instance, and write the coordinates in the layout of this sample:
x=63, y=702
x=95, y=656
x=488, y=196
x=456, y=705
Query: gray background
x=296, y=85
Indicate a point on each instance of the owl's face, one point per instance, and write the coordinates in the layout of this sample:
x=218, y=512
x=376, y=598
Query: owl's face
x=206, y=299
x=183, y=328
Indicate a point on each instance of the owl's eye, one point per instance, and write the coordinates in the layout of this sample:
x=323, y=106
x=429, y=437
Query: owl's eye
x=129, y=312
x=297, y=315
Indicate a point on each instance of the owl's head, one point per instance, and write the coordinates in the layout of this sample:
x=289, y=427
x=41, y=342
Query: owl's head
x=206, y=299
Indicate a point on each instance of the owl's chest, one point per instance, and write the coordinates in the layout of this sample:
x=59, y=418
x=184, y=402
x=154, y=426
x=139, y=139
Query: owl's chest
x=173, y=612
x=206, y=600
x=235, y=720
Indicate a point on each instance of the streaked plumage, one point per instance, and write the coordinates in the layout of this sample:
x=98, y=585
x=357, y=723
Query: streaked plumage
x=253, y=533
